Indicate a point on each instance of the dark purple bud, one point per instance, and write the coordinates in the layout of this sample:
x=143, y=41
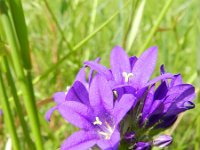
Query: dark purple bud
x=142, y=146
x=162, y=141
x=129, y=135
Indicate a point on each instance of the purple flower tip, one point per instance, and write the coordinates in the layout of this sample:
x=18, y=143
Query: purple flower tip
x=162, y=141
x=129, y=135
x=189, y=105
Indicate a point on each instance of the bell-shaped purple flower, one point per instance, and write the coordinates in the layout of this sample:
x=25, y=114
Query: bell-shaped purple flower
x=125, y=70
x=162, y=141
x=163, y=104
x=94, y=112
x=129, y=75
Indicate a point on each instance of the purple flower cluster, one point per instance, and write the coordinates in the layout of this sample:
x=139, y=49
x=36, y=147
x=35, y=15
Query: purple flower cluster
x=120, y=107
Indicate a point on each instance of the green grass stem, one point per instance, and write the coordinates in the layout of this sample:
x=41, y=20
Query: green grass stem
x=9, y=121
x=17, y=103
x=24, y=83
x=21, y=30
x=155, y=26
x=135, y=25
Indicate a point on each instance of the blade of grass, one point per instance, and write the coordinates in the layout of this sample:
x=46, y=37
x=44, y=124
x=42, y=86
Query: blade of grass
x=155, y=26
x=135, y=25
x=17, y=102
x=93, y=16
x=81, y=43
x=25, y=86
x=8, y=115
x=133, y=9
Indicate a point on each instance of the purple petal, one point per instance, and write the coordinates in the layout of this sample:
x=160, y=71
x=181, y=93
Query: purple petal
x=183, y=92
x=161, y=91
x=123, y=106
x=81, y=76
x=49, y=113
x=167, y=122
x=112, y=143
x=177, y=108
x=59, y=97
x=99, y=68
x=144, y=67
x=123, y=89
x=148, y=103
x=78, y=93
x=162, y=141
x=77, y=114
x=81, y=140
x=162, y=69
x=177, y=80
x=119, y=63
x=91, y=73
x=100, y=93
x=132, y=61
x=159, y=78
x=156, y=113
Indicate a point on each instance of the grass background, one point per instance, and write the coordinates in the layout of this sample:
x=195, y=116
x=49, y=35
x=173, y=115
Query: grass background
x=64, y=33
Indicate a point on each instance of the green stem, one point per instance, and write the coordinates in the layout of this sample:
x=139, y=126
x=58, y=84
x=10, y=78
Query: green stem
x=17, y=103
x=27, y=90
x=157, y=23
x=21, y=30
x=8, y=116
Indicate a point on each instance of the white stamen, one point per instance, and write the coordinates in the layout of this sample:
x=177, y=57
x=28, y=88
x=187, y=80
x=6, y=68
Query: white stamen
x=97, y=121
x=115, y=94
x=127, y=76
x=67, y=89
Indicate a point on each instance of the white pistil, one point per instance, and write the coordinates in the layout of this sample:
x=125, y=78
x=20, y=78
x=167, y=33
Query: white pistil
x=97, y=121
x=106, y=135
x=127, y=76
x=108, y=132
x=109, y=127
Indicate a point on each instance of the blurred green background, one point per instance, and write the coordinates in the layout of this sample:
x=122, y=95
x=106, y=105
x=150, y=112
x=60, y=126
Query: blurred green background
x=63, y=34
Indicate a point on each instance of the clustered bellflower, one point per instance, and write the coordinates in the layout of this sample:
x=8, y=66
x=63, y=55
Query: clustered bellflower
x=120, y=107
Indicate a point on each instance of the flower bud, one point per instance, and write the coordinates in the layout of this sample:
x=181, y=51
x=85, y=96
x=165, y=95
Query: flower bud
x=162, y=141
x=142, y=146
x=129, y=135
